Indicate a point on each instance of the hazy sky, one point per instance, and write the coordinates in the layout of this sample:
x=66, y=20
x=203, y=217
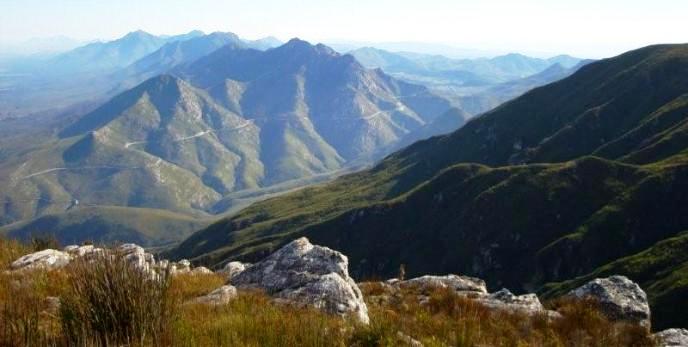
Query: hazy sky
x=588, y=28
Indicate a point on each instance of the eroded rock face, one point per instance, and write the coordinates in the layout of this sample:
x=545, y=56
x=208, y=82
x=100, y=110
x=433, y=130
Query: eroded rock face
x=672, y=338
x=455, y=282
x=233, y=268
x=220, y=296
x=620, y=299
x=136, y=255
x=46, y=259
x=305, y=274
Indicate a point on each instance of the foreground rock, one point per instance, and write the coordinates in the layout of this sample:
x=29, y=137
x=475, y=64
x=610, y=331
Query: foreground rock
x=620, y=299
x=233, y=268
x=469, y=287
x=305, y=274
x=83, y=251
x=48, y=259
x=454, y=282
x=136, y=255
x=220, y=296
x=672, y=338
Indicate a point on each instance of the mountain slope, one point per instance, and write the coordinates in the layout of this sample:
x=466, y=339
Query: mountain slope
x=82, y=78
x=476, y=85
x=103, y=56
x=329, y=98
x=178, y=52
x=601, y=174
x=252, y=123
x=108, y=224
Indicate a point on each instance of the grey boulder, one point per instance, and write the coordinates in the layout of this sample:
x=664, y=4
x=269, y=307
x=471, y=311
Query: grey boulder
x=454, y=282
x=620, y=299
x=233, y=268
x=304, y=274
x=220, y=296
x=672, y=338
x=46, y=259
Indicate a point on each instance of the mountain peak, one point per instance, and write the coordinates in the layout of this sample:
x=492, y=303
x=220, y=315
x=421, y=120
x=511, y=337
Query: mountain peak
x=195, y=33
x=162, y=82
x=299, y=45
x=138, y=34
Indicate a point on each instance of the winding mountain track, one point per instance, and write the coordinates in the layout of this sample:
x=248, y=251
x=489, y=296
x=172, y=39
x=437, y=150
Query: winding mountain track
x=104, y=167
x=198, y=134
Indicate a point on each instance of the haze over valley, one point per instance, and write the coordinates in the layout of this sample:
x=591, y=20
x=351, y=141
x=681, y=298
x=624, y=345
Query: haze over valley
x=452, y=173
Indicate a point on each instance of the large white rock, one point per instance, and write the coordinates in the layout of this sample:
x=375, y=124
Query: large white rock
x=620, y=299
x=672, y=338
x=83, y=251
x=305, y=274
x=454, y=282
x=233, y=268
x=219, y=296
x=45, y=259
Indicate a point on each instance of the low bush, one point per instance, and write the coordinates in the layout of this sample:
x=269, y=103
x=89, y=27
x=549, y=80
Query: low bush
x=108, y=301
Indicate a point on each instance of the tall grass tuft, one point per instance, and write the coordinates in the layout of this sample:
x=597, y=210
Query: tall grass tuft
x=111, y=302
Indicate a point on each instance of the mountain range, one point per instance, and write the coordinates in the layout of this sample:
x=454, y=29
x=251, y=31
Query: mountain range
x=92, y=73
x=474, y=85
x=582, y=177
x=237, y=119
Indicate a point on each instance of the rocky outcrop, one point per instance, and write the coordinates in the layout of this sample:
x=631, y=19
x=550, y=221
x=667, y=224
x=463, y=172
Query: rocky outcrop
x=220, y=296
x=233, y=268
x=304, y=274
x=469, y=287
x=137, y=256
x=505, y=300
x=672, y=338
x=83, y=251
x=619, y=298
x=454, y=282
x=46, y=259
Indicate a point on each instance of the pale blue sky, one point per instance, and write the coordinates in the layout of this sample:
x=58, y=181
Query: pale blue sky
x=589, y=28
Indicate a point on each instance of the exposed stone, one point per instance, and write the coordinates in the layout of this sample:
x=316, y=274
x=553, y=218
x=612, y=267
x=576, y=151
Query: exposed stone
x=219, y=296
x=304, y=274
x=45, y=259
x=201, y=270
x=672, y=338
x=183, y=265
x=408, y=340
x=130, y=248
x=70, y=248
x=87, y=251
x=454, y=282
x=527, y=303
x=620, y=299
x=137, y=256
x=233, y=268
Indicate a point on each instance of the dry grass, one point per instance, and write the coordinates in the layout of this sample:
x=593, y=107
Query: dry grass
x=109, y=301
x=445, y=318
x=105, y=303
